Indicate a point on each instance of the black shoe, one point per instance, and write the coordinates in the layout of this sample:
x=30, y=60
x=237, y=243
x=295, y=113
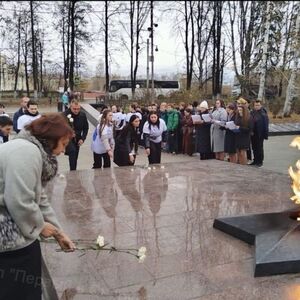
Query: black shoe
x=252, y=164
x=259, y=165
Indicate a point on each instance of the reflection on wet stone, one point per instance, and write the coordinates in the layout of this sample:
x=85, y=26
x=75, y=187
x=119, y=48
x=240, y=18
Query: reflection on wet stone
x=171, y=212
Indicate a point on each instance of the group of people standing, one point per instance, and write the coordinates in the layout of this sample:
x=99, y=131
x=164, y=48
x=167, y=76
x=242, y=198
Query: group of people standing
x=234, y=130
x=222, y=132
x=121, y=145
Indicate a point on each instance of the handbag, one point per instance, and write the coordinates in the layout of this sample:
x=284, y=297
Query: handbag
x=11, y=236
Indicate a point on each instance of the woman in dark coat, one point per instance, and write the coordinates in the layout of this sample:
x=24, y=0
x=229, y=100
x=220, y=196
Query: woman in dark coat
x=126, y=144
x=244, y=124
x=230, y=135
x=203, y=133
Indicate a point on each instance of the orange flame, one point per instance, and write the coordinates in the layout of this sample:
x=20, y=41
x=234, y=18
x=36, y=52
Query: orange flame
x=295, y=175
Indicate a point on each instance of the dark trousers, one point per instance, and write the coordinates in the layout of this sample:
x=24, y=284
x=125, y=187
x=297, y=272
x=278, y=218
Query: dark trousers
x=72, y=151
x=20, y=273
x=206, y=155
x=98, y=160
x=172, y=141
x=155, y=153
x=258, y=149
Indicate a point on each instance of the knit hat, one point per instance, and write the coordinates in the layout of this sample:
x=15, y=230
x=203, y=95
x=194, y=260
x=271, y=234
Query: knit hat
x=204, y=104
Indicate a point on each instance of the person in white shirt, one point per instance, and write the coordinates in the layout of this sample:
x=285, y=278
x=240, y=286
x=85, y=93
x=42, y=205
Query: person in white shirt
x=103, y=141
x=154, y=131
x=30, y=114
x=133, y=108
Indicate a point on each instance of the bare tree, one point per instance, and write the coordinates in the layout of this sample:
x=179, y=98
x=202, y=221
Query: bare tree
x=243, y=48
x=204, y=31
x=288, y=25
x=33, y=45
x=138, y=13
x=71, y=27
x=291, y=89
x=216, y=44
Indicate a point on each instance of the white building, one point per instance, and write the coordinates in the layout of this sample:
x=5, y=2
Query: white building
x=7, y=76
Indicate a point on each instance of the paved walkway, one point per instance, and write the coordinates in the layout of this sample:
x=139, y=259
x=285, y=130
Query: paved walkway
x=278, y=154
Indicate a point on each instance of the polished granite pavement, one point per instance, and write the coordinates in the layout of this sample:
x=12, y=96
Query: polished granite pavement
x=171, y=211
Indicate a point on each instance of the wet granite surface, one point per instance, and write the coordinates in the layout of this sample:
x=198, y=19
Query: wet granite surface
x=171, y=211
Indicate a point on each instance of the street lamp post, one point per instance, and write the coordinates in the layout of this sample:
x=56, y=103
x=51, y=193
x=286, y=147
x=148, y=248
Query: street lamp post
x=147, y=83
x=151, y=57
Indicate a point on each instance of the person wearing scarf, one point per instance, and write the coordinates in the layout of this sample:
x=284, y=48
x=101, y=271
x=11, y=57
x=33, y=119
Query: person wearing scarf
x=27, y=164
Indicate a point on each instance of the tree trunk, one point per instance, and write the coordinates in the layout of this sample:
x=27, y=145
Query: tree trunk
x=72, y=54
x=34, y=62
x=41, y=68
x=25, y=53
x=262, y=82
x=187, y=51
x=18, y=57
x=288, y=25
x=131, y=15
x=106, y=52
x=290, y=93
x=217, y=27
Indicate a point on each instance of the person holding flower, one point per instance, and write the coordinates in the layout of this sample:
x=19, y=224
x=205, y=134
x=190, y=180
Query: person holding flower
x=27, y=164
x=78, y=121
x=154, y=133
x=103, y=141
x=127, y=143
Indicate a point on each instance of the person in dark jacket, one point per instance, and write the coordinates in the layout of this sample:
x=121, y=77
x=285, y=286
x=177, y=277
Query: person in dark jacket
x=230, y=135
x=78, y=121
x=6, y=125
x=20, y=112
x=244, y=126
x=260, y=132
x=203, y=133
x=126, y=143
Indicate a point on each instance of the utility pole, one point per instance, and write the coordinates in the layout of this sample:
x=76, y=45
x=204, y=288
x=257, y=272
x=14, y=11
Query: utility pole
x=147, y=83
x=152, y=56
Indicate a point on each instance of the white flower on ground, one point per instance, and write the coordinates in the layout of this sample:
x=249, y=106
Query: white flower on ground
x=142, y=251
x=100, y=241
x=69, y=116
x=61, y=176
x=71, y=119
x=162, y=167
x=142, y=258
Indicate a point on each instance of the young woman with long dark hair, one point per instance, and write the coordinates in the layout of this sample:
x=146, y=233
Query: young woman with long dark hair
x=103, y=141
x=154, y=132
x=126, y=144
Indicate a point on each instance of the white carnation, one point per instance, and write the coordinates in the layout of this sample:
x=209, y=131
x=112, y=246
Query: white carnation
x=100, y=241
x=142, y=258
x=142, y=251
x=69, y=116
x=71, y=119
